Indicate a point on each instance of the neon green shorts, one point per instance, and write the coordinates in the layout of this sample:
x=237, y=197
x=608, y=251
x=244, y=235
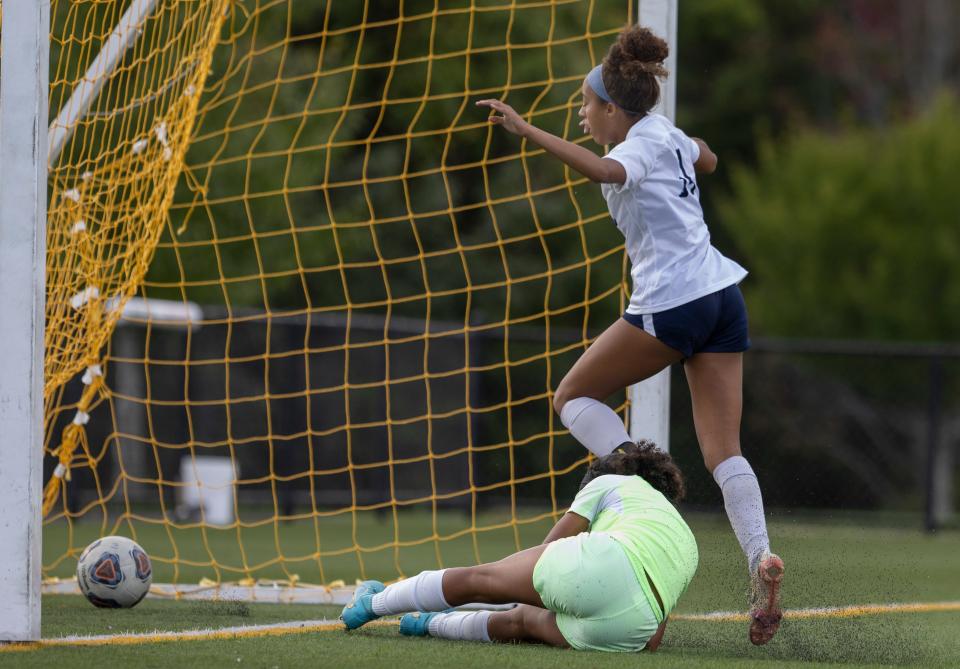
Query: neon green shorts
x=591, y=585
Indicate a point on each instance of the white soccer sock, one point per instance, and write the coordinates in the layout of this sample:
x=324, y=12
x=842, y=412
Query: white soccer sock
x=744, y=505
x=423, y=592
x=460, y=626
x=594, y=424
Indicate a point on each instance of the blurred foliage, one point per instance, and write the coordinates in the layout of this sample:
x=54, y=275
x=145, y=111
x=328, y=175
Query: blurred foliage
x=752, y=68
x=324, y=184
x=856, y=234
x=747, y=69
x=748, y=66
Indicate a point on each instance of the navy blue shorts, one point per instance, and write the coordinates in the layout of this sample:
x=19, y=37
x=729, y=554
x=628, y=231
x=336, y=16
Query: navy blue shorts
x=715, y=323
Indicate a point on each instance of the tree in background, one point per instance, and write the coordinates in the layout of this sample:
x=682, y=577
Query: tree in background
x=891, y=57
x=858, y=226
x=854, y=235
x=749, y=68
x=371, y=139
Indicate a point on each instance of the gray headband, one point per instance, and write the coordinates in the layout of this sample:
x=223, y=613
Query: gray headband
x=595, y=82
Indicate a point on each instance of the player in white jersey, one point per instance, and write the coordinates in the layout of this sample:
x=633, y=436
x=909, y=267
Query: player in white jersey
x=685, y=305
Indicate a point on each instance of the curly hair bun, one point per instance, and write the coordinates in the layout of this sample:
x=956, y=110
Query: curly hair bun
x=638, y=51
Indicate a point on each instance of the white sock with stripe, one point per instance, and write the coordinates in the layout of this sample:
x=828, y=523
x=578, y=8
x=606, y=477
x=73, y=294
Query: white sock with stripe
x=744, y=505
x=594, y=424
x=460, y=626
x=423, y=592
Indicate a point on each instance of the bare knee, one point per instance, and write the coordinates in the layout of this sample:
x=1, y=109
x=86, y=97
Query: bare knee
x=566, y=391
x=561, y=397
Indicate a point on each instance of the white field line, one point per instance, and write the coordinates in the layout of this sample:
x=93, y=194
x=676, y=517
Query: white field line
x=273, y=593
x=239, y=632
x=826, y=611
x=326, y=625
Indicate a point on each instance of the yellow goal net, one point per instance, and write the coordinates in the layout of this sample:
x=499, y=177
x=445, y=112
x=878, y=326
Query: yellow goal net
x=306, y=307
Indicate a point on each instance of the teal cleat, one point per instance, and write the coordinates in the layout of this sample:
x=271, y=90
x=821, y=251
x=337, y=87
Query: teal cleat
x=416, y=624
x=360, y=609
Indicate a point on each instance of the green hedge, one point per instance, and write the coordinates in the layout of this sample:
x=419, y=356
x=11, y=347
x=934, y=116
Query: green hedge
x=854, y=234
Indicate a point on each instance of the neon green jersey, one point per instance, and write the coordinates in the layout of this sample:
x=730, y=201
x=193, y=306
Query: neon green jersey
x=656, y=539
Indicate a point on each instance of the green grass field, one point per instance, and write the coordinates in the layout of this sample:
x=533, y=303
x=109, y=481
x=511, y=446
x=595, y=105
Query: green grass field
x=831, y=562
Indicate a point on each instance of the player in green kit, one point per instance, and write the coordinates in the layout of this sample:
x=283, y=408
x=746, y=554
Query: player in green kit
x=605, y=578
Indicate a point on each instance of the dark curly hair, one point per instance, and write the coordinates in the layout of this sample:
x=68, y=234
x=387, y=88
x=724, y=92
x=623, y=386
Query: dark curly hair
x=631, y=68
x=645, y=460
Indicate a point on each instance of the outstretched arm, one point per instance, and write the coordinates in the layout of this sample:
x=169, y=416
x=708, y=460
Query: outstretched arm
x=583, y=160
x=569, y=525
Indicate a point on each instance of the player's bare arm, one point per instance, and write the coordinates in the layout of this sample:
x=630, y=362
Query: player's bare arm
x=570, y=525
x=707, y=162
x=582, y=159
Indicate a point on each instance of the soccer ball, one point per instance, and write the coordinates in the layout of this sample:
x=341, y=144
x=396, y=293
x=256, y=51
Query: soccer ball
x=114, y=573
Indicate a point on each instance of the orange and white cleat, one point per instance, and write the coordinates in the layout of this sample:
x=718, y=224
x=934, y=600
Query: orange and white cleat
x=765, y=599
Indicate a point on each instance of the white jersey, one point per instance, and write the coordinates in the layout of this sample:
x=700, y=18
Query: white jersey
x=658, y=211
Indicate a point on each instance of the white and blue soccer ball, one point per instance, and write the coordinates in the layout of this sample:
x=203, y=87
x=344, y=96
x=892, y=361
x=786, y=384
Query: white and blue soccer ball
x=114, y=573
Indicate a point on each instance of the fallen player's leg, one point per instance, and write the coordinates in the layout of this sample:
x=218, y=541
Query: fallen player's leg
x=520, y=624
x=526, y=623
x=504, y=582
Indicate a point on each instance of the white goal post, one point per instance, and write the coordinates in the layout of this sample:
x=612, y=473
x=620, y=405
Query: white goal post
x=24, y=75
x=650, y=399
